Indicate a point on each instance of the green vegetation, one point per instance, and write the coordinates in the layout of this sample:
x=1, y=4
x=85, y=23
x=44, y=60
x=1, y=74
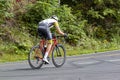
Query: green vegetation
x=92, y=25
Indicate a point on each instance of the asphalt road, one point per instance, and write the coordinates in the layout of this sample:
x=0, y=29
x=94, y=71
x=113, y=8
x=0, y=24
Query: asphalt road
x=98, y=66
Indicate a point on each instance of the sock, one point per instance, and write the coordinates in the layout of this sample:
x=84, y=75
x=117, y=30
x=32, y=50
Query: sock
x=46, y=55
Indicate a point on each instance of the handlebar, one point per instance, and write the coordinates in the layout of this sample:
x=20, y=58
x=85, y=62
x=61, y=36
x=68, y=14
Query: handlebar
x=60, y=37
x=57, y=36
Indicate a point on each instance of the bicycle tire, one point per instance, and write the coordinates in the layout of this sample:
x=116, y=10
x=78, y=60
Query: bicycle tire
x=59, y=55
x=35, y=62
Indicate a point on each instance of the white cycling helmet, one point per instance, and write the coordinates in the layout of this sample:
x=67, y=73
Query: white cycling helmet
x=54, y=17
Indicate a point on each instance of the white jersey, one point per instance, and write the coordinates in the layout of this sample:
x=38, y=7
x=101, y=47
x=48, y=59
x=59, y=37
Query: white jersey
x=47, y=22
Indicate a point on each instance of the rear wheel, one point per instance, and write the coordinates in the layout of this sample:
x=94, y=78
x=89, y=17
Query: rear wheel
x=59, y=55
x=35, y=57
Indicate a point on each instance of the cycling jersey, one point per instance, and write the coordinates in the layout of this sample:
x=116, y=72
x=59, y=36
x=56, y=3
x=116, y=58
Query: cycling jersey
x=44, y=28
x=48, y=22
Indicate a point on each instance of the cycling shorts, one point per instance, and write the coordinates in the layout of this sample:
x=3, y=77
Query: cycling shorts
x=45, y=32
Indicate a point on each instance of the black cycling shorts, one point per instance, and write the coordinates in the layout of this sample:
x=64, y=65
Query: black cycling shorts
x=45, y=32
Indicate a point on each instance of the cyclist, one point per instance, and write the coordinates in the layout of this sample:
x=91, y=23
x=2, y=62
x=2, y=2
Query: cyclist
x=44, y=30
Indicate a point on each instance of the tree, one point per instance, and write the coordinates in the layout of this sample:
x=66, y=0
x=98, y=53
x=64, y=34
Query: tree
x=102, y=13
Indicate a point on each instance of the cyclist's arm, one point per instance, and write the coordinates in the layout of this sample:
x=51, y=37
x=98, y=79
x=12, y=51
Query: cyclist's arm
x=58, y=28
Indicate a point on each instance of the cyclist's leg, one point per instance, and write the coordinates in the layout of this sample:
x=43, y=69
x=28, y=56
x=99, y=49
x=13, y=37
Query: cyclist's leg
x=47, y=52
x=49, y=38
x=45, y=32
x=41, y=33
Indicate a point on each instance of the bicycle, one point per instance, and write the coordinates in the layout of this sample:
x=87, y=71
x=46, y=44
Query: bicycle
x=37, y=52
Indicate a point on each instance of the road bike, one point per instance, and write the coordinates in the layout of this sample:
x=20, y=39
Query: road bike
x=57, y=53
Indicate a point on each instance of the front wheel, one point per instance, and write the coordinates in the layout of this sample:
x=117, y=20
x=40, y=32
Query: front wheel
x=35, y=57
x=58, y=55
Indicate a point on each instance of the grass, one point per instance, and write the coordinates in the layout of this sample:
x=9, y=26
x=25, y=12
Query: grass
x=69, y=49
x=11, y=52
x=78, y=51
x=12, y=57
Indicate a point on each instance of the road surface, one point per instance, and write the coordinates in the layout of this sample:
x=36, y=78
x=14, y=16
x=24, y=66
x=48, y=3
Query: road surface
x=98, y=66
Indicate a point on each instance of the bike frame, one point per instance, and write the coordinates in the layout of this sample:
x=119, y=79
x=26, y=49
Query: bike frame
x=43, y=42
